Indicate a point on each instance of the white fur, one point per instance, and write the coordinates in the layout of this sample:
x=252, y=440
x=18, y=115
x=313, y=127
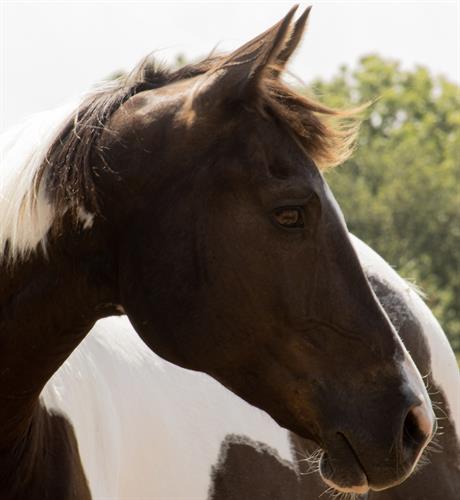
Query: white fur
x=25, y=212
x=86, y=218
x=444, y=368
x=146, y=428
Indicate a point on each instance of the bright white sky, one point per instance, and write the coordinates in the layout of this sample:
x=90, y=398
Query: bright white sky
x=52, y=51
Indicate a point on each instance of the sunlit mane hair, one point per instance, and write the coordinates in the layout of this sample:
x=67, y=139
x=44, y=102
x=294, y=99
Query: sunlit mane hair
x=326, y=134
x=63, y=179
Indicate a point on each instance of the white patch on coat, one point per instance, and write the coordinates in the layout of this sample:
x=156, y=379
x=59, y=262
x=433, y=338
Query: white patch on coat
x=147, y=428
x=444, y=368
x=86, y=218
x=25, y=212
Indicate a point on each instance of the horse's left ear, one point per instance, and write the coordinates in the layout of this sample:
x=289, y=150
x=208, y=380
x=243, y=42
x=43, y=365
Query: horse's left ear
x=237, y=76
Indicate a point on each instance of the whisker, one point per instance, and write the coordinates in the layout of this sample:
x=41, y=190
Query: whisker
x=327, y=490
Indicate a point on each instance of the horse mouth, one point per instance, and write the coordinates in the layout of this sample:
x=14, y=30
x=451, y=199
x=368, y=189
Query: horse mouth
x=344, y=473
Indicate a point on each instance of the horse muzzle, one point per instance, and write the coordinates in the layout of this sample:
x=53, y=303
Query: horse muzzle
x=350, y=466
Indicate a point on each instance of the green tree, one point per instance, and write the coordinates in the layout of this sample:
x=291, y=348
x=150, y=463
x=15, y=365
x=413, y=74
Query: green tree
x=400, y=191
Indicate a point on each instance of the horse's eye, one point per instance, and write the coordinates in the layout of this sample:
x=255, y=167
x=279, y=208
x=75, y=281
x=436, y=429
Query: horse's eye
x=289, y=217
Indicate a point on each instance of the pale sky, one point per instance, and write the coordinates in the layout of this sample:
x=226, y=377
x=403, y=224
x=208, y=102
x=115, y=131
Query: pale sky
x=53, y=51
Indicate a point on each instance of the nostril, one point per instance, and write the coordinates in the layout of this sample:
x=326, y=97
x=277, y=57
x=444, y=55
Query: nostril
x=423, y=418
x=417, y=429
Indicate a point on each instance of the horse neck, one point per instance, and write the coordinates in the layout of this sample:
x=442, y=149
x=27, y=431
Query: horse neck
x=47, y=306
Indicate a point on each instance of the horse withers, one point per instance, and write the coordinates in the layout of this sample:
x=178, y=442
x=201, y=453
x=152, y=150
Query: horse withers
x=193, y=201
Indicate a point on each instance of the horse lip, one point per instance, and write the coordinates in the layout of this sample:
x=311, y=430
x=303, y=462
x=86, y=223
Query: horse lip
x=358, y=461
x=360, y=489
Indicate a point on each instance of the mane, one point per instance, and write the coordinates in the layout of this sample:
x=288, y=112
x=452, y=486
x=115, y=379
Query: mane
x=43, y=180
x=327, y=135
x=26, y=213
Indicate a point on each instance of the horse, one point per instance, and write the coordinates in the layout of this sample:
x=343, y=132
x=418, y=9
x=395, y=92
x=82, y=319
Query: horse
x=193, y=202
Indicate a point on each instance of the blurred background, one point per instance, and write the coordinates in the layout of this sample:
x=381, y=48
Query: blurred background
x=400, y=193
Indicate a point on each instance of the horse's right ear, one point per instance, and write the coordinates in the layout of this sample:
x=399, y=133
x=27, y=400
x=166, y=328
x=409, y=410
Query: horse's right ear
x=292, y=43
x=237, y=76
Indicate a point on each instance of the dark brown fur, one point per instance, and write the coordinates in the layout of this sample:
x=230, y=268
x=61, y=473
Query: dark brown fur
x=46, y=462
x=249, y=470
x=38, y=452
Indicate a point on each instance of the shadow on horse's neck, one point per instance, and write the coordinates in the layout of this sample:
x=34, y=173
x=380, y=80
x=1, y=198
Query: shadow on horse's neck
x=78, y=280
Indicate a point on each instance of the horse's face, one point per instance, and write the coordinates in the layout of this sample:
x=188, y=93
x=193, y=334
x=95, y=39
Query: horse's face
x=235, y=260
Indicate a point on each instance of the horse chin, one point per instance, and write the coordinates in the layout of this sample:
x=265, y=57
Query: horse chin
x=348, y=479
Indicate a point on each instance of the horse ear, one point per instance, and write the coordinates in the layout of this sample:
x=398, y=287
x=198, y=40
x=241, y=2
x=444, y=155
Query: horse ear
x=292, y=43
x=237, y=75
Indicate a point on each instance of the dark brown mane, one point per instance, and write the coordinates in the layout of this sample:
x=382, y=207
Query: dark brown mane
x=68, y=167
x=327, y=135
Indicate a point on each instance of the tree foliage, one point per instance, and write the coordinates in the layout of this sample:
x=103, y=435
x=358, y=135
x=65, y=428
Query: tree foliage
x=400, y=191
